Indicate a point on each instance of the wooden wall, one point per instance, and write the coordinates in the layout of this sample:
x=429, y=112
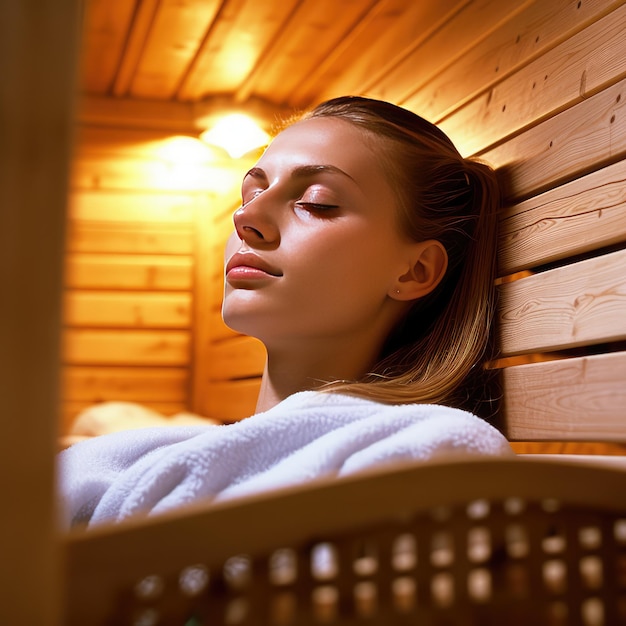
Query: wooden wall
x=140, y=207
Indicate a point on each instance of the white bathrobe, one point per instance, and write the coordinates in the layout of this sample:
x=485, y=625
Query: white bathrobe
x=310, y=434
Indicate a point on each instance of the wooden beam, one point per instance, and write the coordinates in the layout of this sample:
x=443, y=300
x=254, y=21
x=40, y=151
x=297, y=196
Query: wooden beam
x=38, y=51
x=127, y=113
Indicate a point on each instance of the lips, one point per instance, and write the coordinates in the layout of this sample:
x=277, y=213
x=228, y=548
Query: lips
x=249, y=265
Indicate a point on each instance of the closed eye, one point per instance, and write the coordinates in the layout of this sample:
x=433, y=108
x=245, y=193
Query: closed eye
x=314, y=206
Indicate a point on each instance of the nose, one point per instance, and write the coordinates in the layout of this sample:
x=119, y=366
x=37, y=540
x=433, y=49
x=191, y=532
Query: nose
x=255, y=223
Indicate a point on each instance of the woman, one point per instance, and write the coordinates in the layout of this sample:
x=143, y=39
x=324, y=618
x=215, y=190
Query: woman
x=363, y=258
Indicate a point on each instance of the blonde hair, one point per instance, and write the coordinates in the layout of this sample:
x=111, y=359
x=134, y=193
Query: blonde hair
x=435, y=354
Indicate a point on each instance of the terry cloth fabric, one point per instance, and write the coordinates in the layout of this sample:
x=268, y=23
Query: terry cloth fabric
x=310, y=434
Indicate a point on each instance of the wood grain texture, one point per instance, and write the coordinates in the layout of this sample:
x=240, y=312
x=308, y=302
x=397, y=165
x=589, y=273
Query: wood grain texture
x=107, y=23
x=127, y=310
x=577, y=141
x=520, y=39
x=583, y=215
x=176, y=33
x=146, y=206
x=572, y=71
x=391, y=33
x=570, y=306
x=126, y=347
x=129, y=238
x=240, y=357
x=572, y=399
x=239, y=38
x=459, y=30
x=133, y=384
x=107, y=271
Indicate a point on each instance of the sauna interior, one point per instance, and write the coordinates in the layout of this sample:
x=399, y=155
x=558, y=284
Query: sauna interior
x=533, y=87
x=151, y=203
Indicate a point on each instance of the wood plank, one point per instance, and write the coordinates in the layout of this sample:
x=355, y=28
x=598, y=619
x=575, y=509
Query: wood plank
x=128, y=206
x=569, y=73
x=107, y=23
x=320, y=28
x=572, y=399
x=582, y=139
x=528, y=35
x=570, y=306
x=241, y=357
x=38, y=58
x=135, y=44
x=394, y=28
x=103, y=111
x=583, y=215
x=134, y=384
x=120, y=237
x=239, y=36
x=113, y=128
x=127, y=310
x=165, y=175
x=231, y=401
x=175, y=35
x=462, y=30
x=126, y=347
x=108, y=271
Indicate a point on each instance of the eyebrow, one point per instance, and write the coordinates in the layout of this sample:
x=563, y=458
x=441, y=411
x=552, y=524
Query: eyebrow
x=302, y=171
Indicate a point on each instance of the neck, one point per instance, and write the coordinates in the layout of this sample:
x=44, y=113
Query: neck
x=288, y=371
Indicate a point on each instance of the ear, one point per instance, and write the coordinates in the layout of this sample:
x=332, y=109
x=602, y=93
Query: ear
x=428, y=263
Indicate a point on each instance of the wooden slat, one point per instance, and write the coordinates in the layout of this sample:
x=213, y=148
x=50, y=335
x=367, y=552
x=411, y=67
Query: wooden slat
x=106, y=26
x=579, y=140
x=241, y=357
x=100, y=112
x=566, y=307
x=165, y=175
x=588, y=213
x=239, y=37
x=137, y=310
x=128, y=206
x=107, y=271
x=320, y=28
x=231, y=401
x=114, y=128
x=123, y=238
x=572, y=399
x=175, y=35
x=528, y=34
x=136, y=384
x=462, y=30
x=395, y=27
x=125, y=347
x=577, y=68
x=135, y=43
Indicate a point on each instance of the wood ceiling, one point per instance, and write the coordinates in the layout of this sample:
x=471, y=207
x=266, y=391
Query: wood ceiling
x=284, y=53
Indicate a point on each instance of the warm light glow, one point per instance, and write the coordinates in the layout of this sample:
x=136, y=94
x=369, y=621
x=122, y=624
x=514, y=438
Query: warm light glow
x=236, y=133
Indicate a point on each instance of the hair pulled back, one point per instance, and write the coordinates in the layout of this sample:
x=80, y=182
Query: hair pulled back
x=435, y=354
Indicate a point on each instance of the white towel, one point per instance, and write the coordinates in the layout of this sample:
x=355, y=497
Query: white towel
x=310, y=434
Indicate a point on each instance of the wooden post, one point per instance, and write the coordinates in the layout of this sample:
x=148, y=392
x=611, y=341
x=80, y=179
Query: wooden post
x=38, y=44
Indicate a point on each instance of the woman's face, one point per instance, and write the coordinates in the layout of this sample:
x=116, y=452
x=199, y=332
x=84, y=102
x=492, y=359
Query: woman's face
x=317, y=249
